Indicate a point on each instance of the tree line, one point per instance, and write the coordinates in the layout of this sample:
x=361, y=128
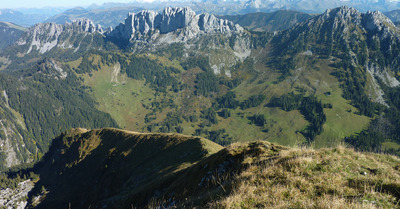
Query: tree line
x=309, y=106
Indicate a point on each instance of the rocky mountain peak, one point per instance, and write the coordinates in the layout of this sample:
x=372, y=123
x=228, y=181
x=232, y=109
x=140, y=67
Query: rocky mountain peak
x=346, y=18
x=342, y=15
x=170, y=20
x=377, y=21
x=372, y=21
x=142, y=22
x=175, y=18
x=45, y=36
x=346, y=11
x=86, y=25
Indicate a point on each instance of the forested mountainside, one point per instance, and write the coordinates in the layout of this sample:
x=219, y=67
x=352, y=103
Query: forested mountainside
x=9, y=33
x=330, y=79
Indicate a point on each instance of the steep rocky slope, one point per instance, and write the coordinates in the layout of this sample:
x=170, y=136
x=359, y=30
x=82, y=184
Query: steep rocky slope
x=15, y=145
x=45, y=36
x=370, y=40
x=150, y=29
x=361, y=51
x=172, y=19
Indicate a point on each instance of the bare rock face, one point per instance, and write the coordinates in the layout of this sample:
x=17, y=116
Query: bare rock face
x=172, y=25
x=175, y=18
x=12, y=129
x=45, y=36
x=341, y=17
x=380, y=24
x=210, y=23
x=85, y=25
x=142, y=22
x=182, y=21
x=15, y=198
x=344, y=16
x=150, y=30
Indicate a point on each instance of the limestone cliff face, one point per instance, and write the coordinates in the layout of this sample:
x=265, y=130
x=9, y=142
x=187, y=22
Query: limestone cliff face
x=45, y=36
x=143, y=29
x=13, y=136
x=184, y=23
x=150, y=30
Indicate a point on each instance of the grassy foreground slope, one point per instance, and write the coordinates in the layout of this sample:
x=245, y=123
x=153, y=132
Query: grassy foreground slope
x=120, y=169
x=306, y=178
x=102, y=167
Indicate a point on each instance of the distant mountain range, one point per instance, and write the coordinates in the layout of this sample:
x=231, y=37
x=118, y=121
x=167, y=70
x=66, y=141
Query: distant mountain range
x=110, y=14
x=393, y=15
x=9, y=33
x=19, y=18
x=109, y=17
x=274, y=21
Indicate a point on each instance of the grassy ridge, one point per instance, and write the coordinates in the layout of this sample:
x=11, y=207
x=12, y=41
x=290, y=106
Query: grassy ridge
x=85, y=167
x=122, y=169
x=307, y=178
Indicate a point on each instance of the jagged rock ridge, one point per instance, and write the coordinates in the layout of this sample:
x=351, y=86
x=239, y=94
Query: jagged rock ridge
x=45, y=36
x=170, y=20
x=365, y=39
x=149, y=30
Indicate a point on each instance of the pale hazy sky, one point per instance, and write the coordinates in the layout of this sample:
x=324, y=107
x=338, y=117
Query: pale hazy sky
x=55, y=3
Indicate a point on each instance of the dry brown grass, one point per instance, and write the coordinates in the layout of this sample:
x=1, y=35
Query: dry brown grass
x=306, y=178
x=243, y=175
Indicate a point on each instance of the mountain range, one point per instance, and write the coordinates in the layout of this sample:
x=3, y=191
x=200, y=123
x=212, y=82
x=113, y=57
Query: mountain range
x=341, y=66
x=110, y=14
x=9, y=33
x=109, y=17
x=274, y=21
x=19, y=18
x=286, y=77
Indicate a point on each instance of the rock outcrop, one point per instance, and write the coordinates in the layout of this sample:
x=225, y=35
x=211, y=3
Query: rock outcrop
x=369, y=21
x=369, y=41
x=184, y=22
x=45, y=36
